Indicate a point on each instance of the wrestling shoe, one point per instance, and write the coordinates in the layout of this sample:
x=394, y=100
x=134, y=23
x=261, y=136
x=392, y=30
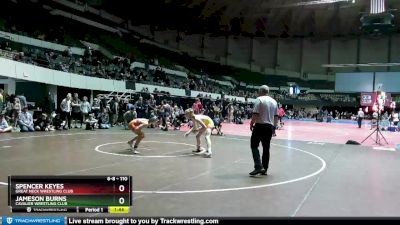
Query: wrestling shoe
x=136, y=152
x=201, y=150
x=207, y=155
x=130, y=144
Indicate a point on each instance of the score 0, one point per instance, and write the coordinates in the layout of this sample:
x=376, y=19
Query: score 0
x=121, y=188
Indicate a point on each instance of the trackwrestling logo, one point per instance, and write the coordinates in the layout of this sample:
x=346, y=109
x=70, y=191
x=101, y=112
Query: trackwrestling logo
x=20, y=220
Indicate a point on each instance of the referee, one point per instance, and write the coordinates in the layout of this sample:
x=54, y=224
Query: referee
x=262, y=125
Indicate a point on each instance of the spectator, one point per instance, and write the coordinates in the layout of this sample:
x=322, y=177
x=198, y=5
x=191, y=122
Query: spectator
x=197, y=106
x=51, y=107
x=96, y=107
x=76, y=110
x=16, y=111
x=140, y=108
x=22, y=100
x=104, y=119
x=1, y=100
x=91, y=122
x=395, y=118
x=85, y=108
x=114, y=110
x=43, y=123
x=25, y=121
x=4, y=125
x=103, y=102
x=129, y=116
x=66, y=111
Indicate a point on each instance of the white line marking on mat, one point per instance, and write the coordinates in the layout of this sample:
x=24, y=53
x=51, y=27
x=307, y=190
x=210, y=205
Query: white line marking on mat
x=385, y=149
x=6, y=146
x=2, y=183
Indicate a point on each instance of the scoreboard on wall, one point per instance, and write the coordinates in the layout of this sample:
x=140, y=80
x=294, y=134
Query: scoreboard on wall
x=370, y=98
x=75, y=194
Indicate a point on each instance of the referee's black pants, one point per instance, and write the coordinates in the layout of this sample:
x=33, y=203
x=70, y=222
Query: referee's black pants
x=261, y=133
x=359, y=121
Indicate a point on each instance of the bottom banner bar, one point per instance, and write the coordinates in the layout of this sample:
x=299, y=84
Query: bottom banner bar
x=26, y=220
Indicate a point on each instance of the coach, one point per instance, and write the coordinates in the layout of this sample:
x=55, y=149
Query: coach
x=262, y=125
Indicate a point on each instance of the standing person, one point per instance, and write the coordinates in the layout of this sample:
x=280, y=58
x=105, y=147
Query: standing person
x=152, y=105
x=167, y=113
x=22, y=99
x=51, y=103
x=85, y=109
x=76, y=110
x=66, y=111
x=262, y=125
x=197, y=107
x=129, y=116
x=2, y=100
x=360, y=117
x=202, y=124
x=114, y=110
x=103, y=102
x=281, y=114
x=140, y=108
x=96, y=107
x=395, y=118
x=17, y=107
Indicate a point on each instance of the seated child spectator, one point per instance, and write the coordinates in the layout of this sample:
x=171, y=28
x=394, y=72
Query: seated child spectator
x=104, y=119
x=25, y=121
x=217, y=126
x=43, y=123
x=91, y=122
x=4, y=125
x=57, y=121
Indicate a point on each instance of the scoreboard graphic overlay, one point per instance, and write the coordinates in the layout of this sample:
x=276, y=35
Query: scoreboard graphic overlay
x=76, y=194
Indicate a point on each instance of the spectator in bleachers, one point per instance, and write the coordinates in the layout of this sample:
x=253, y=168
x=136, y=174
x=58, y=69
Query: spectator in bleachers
x=76, y=110
x=25, y=121
x=4, y=127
